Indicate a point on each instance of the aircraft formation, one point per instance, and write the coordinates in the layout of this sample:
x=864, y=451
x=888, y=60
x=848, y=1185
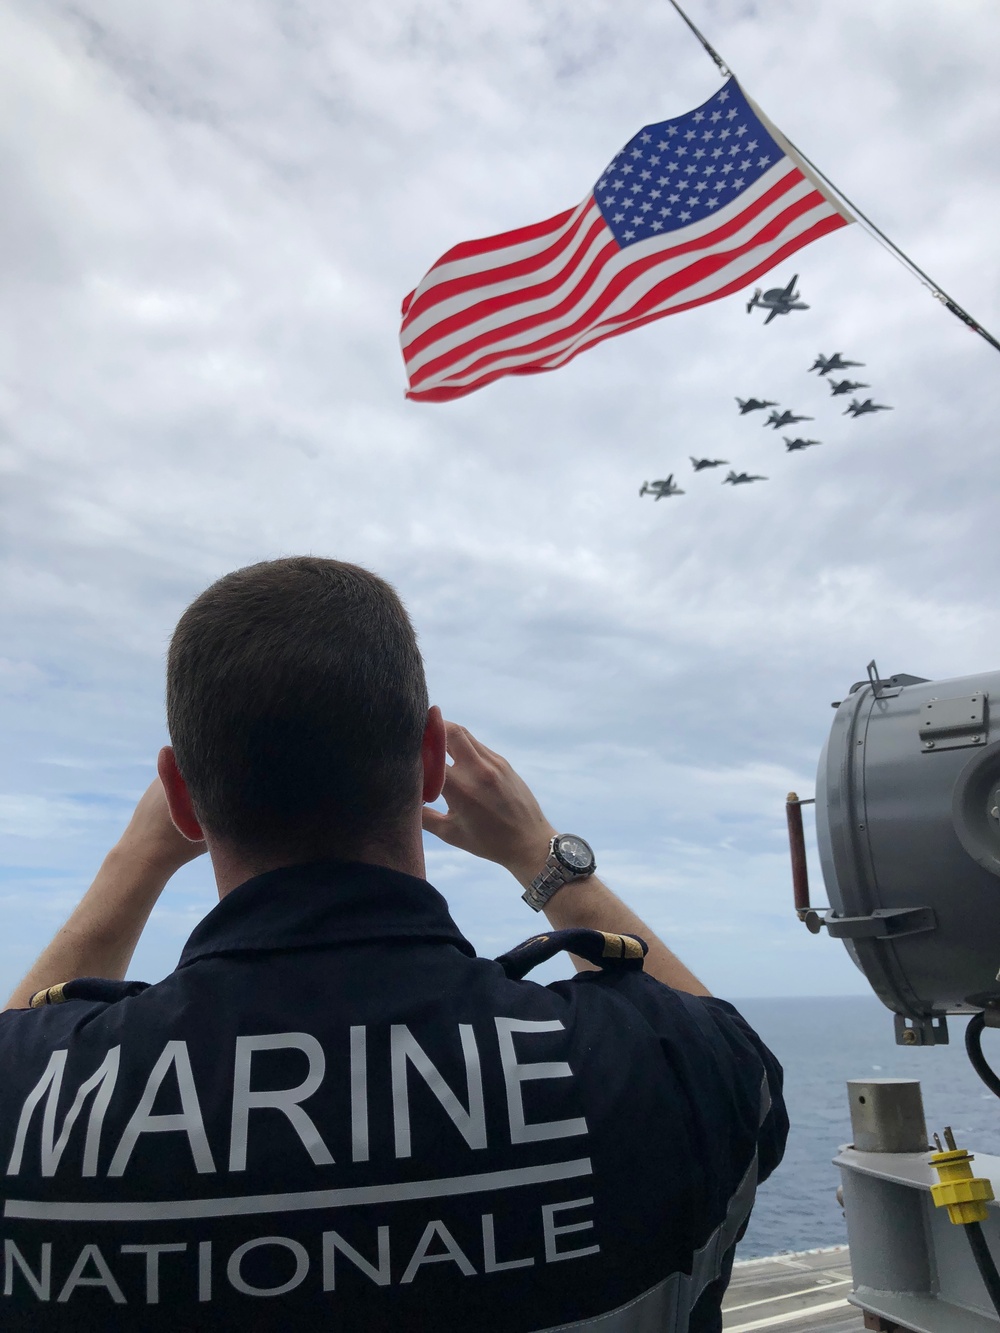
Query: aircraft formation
x=778, y=301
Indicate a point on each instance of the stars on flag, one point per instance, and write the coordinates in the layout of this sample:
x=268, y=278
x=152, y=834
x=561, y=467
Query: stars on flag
x=700, y=136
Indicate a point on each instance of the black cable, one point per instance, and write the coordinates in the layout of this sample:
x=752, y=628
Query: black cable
x=984, y=1261
x=723, y=67
x=974, y=1050
x=939, y=293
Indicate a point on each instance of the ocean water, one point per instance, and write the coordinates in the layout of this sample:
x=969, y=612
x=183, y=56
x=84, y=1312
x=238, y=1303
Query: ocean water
x=822, y=1043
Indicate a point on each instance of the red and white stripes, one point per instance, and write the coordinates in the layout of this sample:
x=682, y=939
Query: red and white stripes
x=530, y=300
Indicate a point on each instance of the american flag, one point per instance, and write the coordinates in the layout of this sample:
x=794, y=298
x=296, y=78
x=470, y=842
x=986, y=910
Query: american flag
x=690, y=210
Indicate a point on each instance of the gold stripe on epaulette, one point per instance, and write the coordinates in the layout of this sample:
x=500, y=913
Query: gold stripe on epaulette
x=50, y=995
x=621, y=946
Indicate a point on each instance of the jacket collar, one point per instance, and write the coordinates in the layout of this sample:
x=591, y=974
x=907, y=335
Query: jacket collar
x=323, y=903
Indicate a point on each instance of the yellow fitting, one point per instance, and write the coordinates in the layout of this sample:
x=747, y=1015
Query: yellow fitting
x=963, y=1194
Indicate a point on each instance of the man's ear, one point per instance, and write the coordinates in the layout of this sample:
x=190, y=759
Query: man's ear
x=434, y=753
x=178, y=798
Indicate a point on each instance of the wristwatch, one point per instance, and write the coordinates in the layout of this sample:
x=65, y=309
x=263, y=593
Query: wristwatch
x=569, y=858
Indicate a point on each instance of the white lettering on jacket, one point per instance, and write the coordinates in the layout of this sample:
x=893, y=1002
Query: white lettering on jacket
x=188, y=1121
x=113, y=1089
x=285, y=1100
x=384, y=1259
x=405, y=1049
x=515, y=1074
x=101, y=1083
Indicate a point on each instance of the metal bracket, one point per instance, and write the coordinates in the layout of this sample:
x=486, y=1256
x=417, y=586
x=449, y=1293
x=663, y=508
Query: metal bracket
x=953, y=724
x=931, y=1030
x=883, y=923
x=900, y=679
x=880, y=688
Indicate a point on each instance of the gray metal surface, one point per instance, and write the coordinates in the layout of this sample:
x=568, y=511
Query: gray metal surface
x=954, y=722
x=911, y=1264
x=887, y=1115
x=909, y=848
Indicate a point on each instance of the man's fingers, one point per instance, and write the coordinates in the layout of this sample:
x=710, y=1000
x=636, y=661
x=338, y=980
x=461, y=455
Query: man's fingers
x=435, y=822
x=461, y=739
x=460, y=743
x=487, y=753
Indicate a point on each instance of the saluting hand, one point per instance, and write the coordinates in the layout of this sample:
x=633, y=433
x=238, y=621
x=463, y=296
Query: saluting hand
x=151, y=836
x=492, y=812
x=99, y=938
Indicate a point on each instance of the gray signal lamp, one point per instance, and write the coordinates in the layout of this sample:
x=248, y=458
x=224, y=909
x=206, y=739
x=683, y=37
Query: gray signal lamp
x=908, y=827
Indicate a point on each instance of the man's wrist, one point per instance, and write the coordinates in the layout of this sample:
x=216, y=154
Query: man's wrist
x=531, y=856
x=579, y=903
x=134, y=868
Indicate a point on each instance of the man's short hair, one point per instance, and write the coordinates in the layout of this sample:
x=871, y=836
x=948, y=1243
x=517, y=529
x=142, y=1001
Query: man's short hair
x=296, y=706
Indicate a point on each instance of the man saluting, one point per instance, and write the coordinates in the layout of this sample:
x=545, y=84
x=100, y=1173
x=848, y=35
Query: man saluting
x=332, y=1113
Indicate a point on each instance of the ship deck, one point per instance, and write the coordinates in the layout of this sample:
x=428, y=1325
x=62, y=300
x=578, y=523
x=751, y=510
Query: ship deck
x=792, y=1293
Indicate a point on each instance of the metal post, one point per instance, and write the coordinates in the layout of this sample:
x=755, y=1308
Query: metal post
x=887, y=1115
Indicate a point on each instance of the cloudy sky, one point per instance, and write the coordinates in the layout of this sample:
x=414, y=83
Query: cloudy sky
x=210, y=215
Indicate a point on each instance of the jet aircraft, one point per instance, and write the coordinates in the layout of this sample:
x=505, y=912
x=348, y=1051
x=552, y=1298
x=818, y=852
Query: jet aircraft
x=857, y=409
x=792, y=445
x=779, y=419
x=824, y=364
x=752, y=404
x=701, y=463
x=846, y=386
x=740, y=478
x=777, y=300
x=659, y=489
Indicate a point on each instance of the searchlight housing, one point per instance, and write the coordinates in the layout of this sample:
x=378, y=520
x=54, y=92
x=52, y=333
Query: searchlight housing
x=908, y=827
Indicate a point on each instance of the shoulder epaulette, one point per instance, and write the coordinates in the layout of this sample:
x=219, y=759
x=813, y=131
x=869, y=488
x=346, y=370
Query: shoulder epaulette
x=618, y=953
x=87, y=988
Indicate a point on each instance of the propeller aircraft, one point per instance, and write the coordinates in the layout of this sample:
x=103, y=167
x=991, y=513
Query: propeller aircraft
x=777, y=300
x=661, y=489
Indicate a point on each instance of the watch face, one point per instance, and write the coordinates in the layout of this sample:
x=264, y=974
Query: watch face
x=574, y=852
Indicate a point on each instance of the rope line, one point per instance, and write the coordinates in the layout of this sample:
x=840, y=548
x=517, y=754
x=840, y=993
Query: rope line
x=726, y=71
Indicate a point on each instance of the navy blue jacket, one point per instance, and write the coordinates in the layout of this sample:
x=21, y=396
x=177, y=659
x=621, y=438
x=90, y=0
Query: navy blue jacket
x=334, y=1115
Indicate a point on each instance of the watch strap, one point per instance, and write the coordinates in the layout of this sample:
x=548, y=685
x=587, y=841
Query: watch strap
x=543, y=886
x=554, y=874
